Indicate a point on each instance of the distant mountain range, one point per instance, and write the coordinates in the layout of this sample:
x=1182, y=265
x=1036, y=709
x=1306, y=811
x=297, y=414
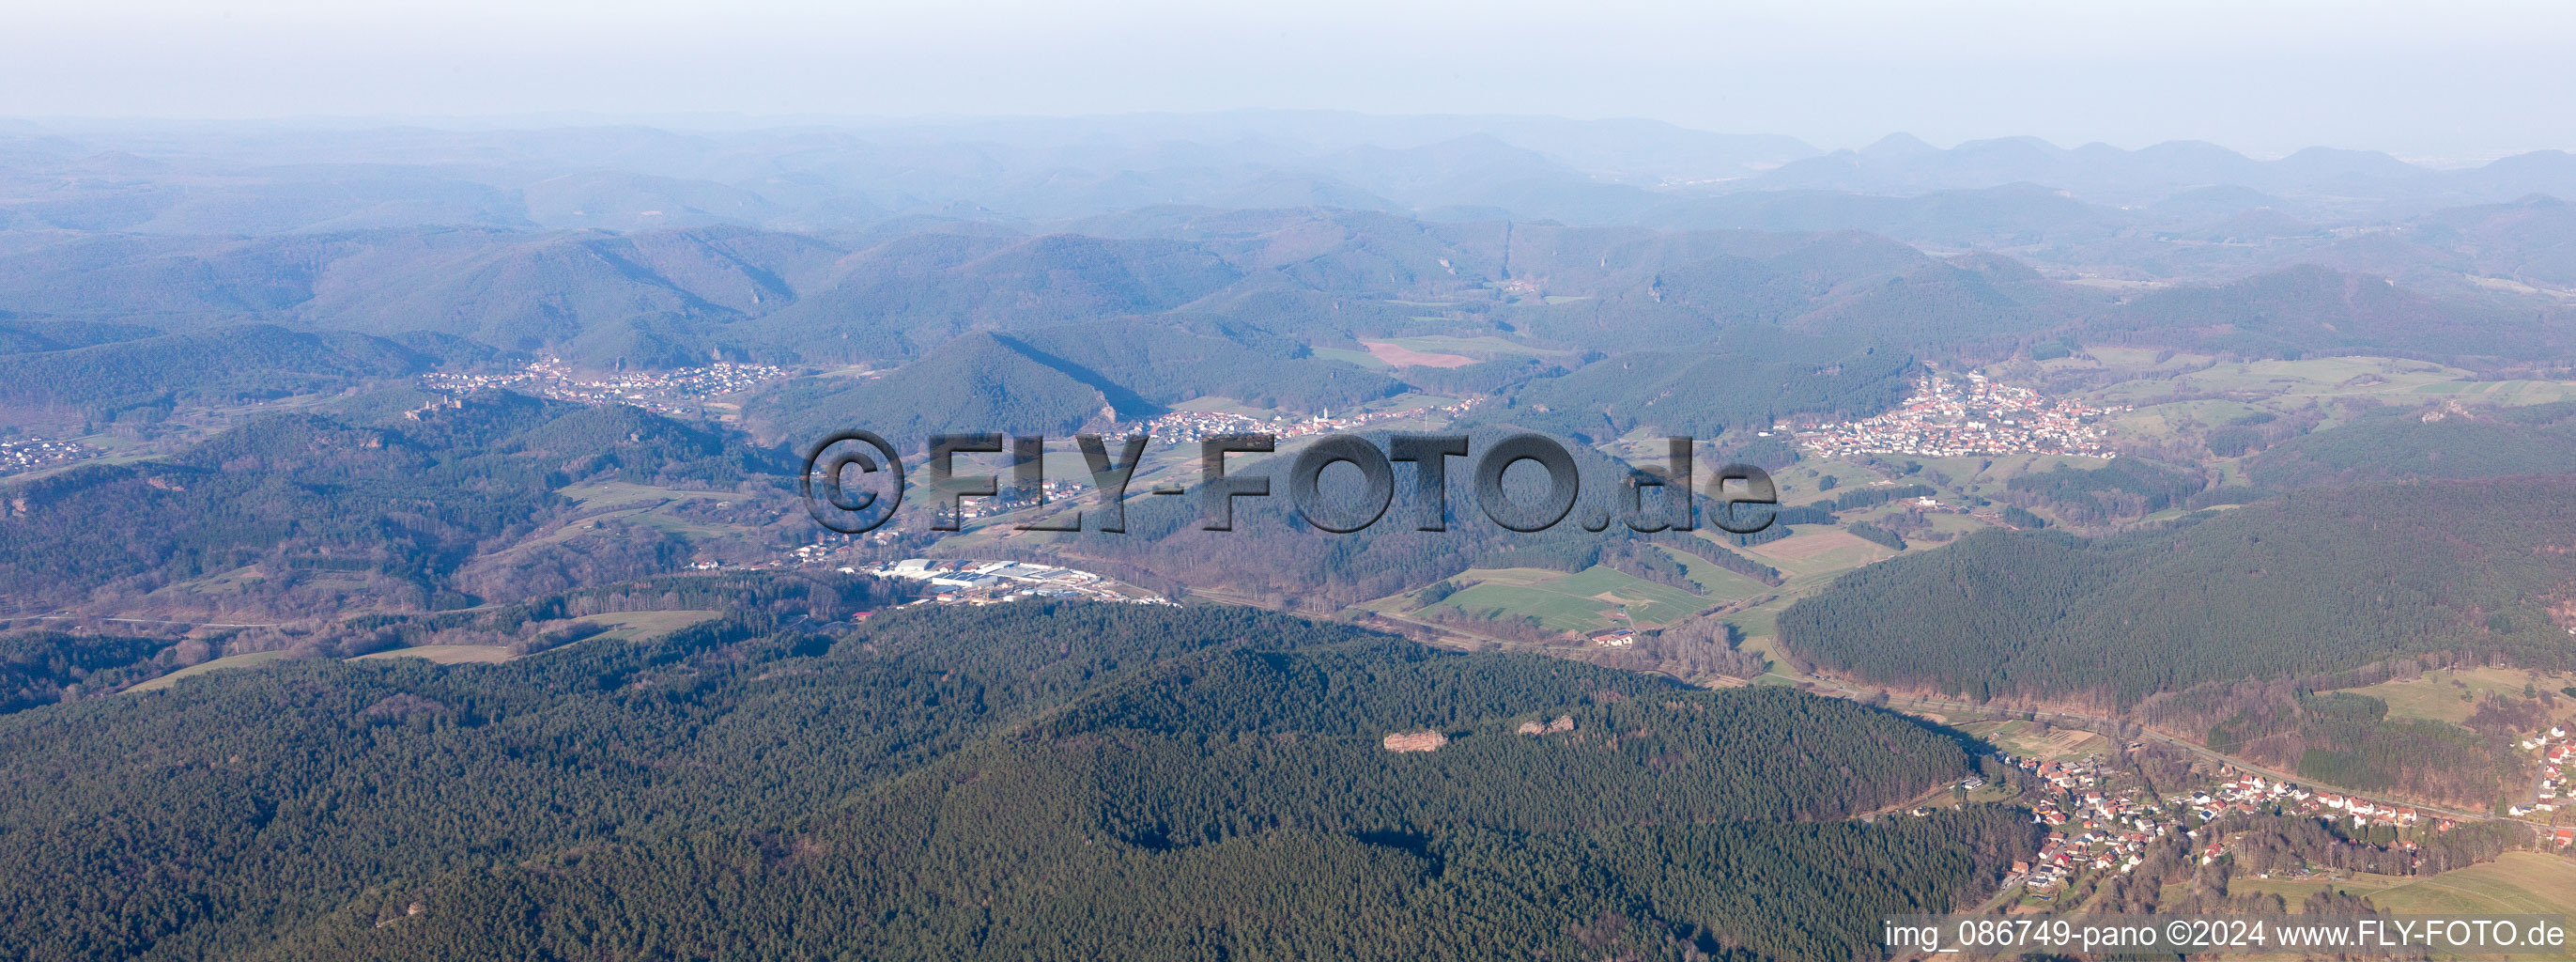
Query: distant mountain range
x=1127, y=264
x=1056, y=329
x=234, y=466
x=1031, y=173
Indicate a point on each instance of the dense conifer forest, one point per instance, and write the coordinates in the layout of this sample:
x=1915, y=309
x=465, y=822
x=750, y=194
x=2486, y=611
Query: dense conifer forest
x=2436, y=442
x=270, y=398
x=2298, y=585
x=1076, y=781
x=400, y=506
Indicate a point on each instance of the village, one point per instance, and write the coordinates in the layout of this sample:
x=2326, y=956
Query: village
x=661, y=392
x=2102, y=821
x=996, y=582
x=2554, y=751
x=1948, y=418
x=29, y=454
x=1184, y=427
x=975, y=582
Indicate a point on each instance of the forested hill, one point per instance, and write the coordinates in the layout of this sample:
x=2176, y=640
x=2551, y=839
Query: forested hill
x=1276, y=555
x=221, y=366
x=1032, y=781
x=2316, y=310
x=2443, y=441
x=1747, y=377
x=1056, y=380
x=328, y=513
x=2318, y=580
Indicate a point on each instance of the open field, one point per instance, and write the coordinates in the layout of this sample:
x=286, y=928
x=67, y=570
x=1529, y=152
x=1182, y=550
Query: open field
x=1473, y=347
x=2025, y=739
x=1225, y=405
x=1817, y=554
x=1366, y=359
x=1649, y=602
x=2124, y=358
x=446, y=654
x=1582, y=601
x=2174, y=402
x=618, y=494
x=1808, y=545
x=2504, y=393
x=2292, y=891
x=1759, y=623
x=1800, y=483
x=2178, y=419
x=1722, y=585
x=624, y=625
x=1558, y=612
x=639, y=625
x=1805, y=573
x=2517, y=883
x=1510, y=577
x=1944, y=522
x=1414, y=399
x=227, y=581
x=1402, y=356
x=250, y=660
x=621, y=503
x=100, y=461
x=2437, y=695
x=1987, y=475
x=2522, y=882
x=2307, y=377
x=2278, y=385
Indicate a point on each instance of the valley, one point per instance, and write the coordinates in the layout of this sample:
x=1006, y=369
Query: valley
x=403, y=553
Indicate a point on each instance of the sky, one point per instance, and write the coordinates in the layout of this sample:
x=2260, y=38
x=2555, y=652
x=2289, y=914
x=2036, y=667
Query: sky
x=2459, y=80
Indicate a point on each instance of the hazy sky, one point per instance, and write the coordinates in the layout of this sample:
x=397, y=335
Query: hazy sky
x=2451, y=79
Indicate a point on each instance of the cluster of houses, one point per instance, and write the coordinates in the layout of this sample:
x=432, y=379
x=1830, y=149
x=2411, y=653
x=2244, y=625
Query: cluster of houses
x=28, y=454
x=657, y=391
x=2554, y=751
x=1184, y=427
x=2254, y=793
x=2097, y=829
x=1975, y=417
x=2100, y=823
x=1008, y=497
x=2099, y=826
x=994, y=582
